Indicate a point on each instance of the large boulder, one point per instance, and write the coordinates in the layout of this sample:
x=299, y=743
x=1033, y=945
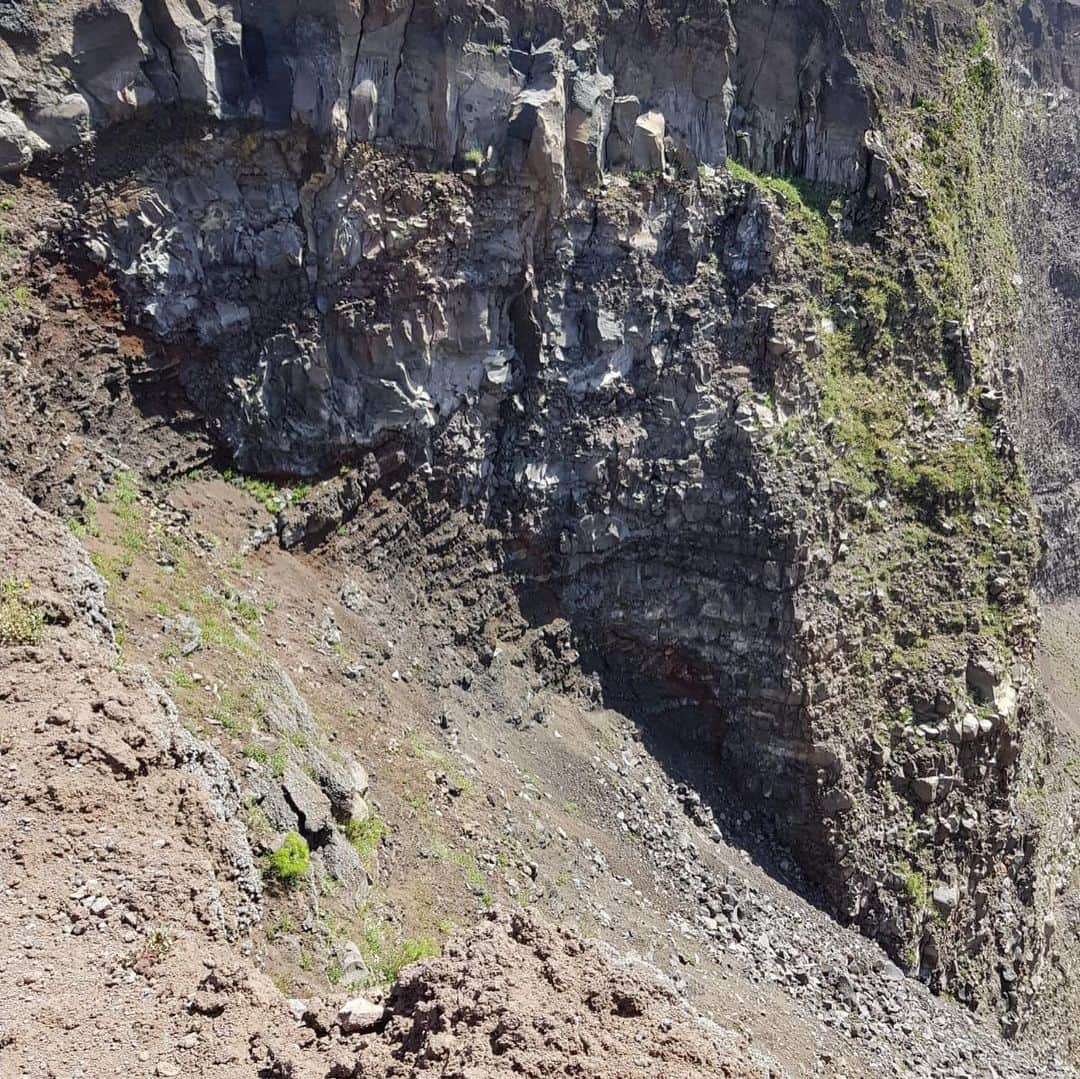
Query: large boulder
x=587, y=123
x=647, y=148
x=360, y=1015
x=538, y=118
x=310, y=803
x=624, y=113
x=17, y=144
x=62, y=123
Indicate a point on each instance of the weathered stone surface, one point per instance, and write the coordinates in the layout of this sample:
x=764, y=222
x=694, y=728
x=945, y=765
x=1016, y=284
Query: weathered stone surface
x=63, y=123
x=647, y=146
x=310, y=803
x=604, y=368
x=17, y=144
x=410, y=73
x=359, y=1015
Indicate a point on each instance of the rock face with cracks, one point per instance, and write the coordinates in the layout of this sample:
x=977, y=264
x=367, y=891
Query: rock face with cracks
x=537, y=261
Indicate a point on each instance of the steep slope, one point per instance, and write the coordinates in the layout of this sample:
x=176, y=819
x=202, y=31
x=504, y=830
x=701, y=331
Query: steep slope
x=132, y=947
x=528, y=289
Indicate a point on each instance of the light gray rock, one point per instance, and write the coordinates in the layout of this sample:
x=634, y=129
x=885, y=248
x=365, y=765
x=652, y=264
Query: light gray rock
x=312, y=806
x=624, y=113
x=62, y=124
x=946, y=896
x=359, y=1015
x=926, y=789
x=983, y=676
x=17, y=143
x=587, y=123
x=354, y=969
x=343, y=863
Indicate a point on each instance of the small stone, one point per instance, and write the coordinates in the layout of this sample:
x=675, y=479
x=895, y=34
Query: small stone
x=359, y=1015
x=925, y=789
x=946, y=896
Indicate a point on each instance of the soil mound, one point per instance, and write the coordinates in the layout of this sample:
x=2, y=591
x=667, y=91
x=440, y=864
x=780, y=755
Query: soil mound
x=519, y=997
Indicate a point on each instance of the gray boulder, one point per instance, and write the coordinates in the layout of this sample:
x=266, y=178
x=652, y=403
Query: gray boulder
x=311, y=804
x=587, y=122
x=359, y=1015
x=17, y=144
x=62, y=123
x=647, y=147
x=624, y=113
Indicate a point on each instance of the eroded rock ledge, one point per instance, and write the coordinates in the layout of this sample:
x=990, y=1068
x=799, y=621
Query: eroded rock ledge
x=449, y=80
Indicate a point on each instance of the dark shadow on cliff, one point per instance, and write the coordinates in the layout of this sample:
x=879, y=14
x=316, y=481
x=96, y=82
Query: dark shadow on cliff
x=684, y=730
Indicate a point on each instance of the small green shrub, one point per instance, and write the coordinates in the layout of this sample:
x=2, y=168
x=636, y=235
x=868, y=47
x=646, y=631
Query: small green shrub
x=273, y=496
x=385, y=960
x=915, y=884
x=123, y=491
x=279, y=759
x=21, y=622
x=473, y=158
x=86, y=525
x=411, y=951
x=291, y=861
x=366, y=835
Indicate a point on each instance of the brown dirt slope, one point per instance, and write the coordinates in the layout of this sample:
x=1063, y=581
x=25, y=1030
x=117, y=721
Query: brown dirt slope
x=125, y=875
x=128, y=889
x=516, y=997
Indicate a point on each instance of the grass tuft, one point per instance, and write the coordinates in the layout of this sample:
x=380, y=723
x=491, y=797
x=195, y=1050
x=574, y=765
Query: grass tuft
x=21, y=620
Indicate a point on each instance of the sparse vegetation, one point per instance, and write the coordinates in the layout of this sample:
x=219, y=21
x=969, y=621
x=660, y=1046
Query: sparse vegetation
x=84, y=526
x=21, y=620
x=282, y=926
x=256, y=753
x=385, y=959
x=290, y=863
x=273, y=496
x=238, y=710
x=466, y=862
x=915, y=886
x=366, y=835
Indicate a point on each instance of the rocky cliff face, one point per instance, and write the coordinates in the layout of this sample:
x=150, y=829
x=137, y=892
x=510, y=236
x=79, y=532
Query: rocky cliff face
x=746, y=433
x=1051, y=283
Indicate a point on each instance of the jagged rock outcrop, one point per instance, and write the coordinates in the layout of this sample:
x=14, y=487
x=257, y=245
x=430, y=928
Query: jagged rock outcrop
x=445, y=81
x=726, y=432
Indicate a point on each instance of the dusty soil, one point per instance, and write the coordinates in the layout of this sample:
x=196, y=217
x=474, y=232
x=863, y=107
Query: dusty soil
x=126, y=878
x=129, y=890
x=516, y=997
